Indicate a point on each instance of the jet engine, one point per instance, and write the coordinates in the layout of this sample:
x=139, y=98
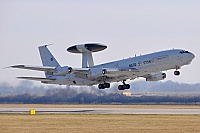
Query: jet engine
x=156, y=76
x=94, y=72
x=62, y=71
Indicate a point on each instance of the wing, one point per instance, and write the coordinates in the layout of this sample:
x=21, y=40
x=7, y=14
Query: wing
x=113, y=75
x=81, y=72
x=37, y=79
x=105, y=74
x=38, y=68
x=117, y=72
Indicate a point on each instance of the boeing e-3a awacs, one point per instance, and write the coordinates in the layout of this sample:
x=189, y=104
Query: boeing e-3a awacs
x=148, y=66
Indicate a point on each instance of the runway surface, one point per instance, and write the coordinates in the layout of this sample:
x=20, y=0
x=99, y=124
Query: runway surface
x=99, y=111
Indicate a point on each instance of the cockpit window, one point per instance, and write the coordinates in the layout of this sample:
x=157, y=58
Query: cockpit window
x=183, y=51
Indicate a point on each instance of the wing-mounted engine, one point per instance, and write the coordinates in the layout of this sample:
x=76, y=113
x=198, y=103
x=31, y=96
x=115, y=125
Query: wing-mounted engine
x=109, y=70
x=95, y=72
x=156, y=76
x=62, y=71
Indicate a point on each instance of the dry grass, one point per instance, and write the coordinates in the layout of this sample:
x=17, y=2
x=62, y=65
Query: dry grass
x=96, y=106
x=51, y=123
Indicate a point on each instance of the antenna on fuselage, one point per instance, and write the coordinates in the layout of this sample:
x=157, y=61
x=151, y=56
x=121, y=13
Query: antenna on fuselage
x=86, y=51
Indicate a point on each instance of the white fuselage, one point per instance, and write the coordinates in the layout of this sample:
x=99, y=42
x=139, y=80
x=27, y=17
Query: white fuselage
x=144, y=64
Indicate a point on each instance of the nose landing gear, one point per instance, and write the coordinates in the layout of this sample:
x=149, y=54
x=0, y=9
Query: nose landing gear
x=177, y=73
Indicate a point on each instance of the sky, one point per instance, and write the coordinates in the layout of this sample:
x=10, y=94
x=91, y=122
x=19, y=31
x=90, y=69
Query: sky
x=127, y=27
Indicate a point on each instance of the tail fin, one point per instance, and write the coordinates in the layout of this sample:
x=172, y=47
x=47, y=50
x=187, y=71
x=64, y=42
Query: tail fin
x=47, y=58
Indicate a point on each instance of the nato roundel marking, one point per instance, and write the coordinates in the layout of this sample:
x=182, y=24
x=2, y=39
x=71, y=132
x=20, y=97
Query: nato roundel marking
x=51, y=59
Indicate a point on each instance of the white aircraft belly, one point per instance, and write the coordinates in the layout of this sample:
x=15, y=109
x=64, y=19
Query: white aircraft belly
x=72, y=81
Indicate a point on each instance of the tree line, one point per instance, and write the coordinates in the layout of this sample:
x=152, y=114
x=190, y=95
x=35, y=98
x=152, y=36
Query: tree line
x=71, y=96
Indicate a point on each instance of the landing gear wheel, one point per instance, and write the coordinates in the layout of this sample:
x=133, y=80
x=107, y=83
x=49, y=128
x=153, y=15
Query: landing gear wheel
x=124, y=87
x=107, y=85
x=100, y=86
x=120, y=87
x=128, y=86
x=177, y=73
x=103, y=86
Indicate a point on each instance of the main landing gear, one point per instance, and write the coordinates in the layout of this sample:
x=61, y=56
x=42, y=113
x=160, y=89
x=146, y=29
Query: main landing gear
x=124, y=86
x=120, y=87
x=104, y=85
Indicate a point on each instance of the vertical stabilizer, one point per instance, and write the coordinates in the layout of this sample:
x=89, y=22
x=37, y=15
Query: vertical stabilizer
x=47, y=58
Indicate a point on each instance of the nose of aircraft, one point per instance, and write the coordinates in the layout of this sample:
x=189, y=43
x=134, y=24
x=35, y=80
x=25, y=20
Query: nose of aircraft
x=192, y=56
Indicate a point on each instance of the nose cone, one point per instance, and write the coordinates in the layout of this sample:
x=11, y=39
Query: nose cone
x=192, y=56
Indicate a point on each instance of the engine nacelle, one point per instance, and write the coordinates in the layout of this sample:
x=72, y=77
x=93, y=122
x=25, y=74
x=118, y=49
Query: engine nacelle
x=156, y=77
x=94, y=72
x=104, y=71
x=62, y=71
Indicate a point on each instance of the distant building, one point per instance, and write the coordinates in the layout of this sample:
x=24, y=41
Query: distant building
x=127, y=93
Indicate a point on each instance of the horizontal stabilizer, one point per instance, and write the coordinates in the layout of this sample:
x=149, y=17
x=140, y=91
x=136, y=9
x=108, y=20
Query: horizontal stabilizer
x=38, y=68
x=37, y=79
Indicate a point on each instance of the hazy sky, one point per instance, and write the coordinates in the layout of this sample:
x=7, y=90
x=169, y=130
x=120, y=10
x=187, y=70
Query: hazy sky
x=127, y=27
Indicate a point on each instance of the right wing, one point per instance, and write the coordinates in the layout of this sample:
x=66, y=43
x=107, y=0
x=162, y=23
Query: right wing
x=37, y=79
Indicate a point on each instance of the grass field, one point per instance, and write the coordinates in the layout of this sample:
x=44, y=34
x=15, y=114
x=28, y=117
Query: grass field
x=92, y=123
x=52, y=123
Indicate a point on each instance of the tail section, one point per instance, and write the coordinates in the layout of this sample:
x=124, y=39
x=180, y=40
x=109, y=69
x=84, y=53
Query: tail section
x=47, y=58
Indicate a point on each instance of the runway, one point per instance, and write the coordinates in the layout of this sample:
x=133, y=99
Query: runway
x=100, y=111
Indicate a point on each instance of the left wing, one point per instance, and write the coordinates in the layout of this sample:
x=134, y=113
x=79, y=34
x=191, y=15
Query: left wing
x=38, y=68
x=114, y=75
x=116, y=72
x=105, y=74
x=94, y=74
